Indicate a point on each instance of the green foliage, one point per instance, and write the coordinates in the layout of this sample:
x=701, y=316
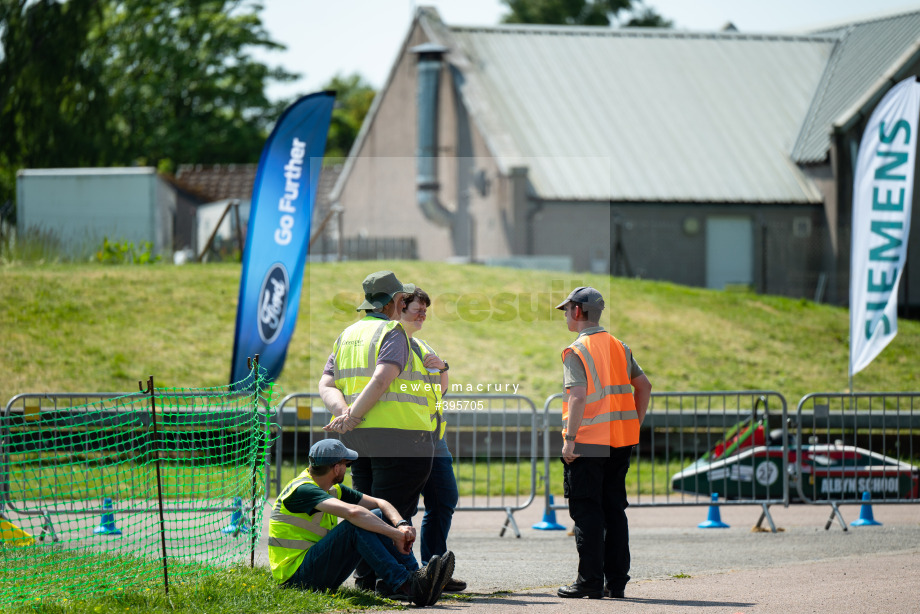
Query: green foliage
x=352, y=102
x=113, y=252
x=181, y=80
x=629, y=13
x=35, y=245
x=106, y=82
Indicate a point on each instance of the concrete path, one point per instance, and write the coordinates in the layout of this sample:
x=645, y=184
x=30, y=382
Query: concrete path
x=677, y=567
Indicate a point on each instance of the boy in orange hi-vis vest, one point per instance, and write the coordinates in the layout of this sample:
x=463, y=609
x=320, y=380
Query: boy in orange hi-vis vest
x=607, y=395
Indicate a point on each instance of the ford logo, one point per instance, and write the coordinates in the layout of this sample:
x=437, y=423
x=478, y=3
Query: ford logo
x=273, y=302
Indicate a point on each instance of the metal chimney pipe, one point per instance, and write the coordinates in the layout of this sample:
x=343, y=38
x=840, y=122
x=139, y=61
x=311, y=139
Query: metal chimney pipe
x=430, y=63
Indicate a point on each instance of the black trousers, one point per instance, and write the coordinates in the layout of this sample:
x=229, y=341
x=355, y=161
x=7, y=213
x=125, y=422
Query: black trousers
x=398, y=480
x=596, y=489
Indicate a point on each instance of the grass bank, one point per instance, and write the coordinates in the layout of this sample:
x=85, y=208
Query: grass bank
x=85, y=327
x=108, y=584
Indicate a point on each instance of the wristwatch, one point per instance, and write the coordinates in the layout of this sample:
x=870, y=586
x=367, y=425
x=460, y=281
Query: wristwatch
x=402, y=523
x=570, y=437
x=446, y=367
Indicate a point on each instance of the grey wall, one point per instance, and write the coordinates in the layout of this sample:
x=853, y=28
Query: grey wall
x=81, y=207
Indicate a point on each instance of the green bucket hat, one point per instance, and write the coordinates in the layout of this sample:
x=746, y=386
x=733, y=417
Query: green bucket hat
x=380, y=288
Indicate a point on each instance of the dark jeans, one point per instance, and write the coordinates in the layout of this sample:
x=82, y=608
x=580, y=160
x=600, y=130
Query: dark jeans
x=441, y=499
x=596, y=490
x=329, y=562
x=397, y=480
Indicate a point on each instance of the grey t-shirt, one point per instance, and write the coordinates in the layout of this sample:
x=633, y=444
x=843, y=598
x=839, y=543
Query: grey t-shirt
x=573, y=369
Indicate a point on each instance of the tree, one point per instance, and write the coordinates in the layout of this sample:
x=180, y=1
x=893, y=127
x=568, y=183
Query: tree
x=627, y=13
x=53, y=106
x=109, y=82
x=182, y=82
x=352, y=102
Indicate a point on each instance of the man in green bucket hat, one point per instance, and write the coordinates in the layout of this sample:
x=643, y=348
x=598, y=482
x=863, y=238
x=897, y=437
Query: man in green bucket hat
x=367, y=386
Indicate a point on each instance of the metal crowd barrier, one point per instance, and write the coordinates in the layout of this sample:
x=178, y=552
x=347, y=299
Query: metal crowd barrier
x=68, y=439
x=489, y=437
x=696, y=448
x=857, y=449
x=709, y=448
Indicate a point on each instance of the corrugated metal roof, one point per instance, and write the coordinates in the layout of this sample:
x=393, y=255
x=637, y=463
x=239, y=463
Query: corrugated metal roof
x=866, y=51
x=645, y=114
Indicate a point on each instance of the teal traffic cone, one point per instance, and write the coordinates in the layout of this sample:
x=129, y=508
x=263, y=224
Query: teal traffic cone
x=237, y=522
x=107, y=524
x=866, y=519
x=549, y=519
x=714, y=520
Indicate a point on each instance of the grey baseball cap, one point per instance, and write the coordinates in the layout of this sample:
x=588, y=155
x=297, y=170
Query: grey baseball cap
x=589, y=299
x=329, y=452
x=380, y=288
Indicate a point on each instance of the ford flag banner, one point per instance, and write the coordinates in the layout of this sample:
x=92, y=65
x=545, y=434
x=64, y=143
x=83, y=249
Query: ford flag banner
x=279, y=235
x=883, y=188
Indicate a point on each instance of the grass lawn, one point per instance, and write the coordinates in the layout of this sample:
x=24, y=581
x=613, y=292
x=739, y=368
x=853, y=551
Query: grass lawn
x=81, y=582
x=85, y=327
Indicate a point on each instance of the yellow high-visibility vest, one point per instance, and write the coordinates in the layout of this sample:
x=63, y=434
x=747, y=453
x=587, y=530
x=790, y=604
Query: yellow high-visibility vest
x=402, y=406
x=433, y=390
x=291, y=534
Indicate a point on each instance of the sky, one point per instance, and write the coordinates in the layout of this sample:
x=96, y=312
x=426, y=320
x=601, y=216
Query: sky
x=329, y=37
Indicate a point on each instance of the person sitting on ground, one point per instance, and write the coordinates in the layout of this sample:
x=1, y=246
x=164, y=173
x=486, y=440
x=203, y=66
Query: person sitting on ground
x=309, y=548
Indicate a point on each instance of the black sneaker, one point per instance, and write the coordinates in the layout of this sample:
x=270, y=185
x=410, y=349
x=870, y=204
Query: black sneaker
x=444, y=575
x=366, y=583
x=424, y=583
x=383, y=589
x=455, y=586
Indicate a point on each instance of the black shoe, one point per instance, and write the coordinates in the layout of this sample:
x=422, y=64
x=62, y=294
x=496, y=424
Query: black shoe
x=444, y=576
x=612, y=593
x=383, y=589
x=366, y=583
x=573, y=591
x=424, y=582
x=455, y=586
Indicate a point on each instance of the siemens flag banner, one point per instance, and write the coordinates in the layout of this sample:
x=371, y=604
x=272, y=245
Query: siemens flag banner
x=883, y=189
x=279, y=235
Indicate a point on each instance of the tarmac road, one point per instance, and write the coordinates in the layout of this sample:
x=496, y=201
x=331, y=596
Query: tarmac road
x=678, y=567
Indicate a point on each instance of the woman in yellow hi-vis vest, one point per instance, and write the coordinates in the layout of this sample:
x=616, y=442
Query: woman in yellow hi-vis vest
x=607, y=397
x=440, y=492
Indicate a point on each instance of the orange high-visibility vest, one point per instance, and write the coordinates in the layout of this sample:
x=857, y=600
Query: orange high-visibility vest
x=610, y=417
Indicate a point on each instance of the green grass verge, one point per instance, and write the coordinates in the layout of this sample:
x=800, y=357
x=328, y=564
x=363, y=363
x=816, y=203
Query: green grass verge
x=85, y=327
x=49, y=582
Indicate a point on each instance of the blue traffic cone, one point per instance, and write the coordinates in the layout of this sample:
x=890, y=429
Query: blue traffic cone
x=237, y=523
x=549, y=519
x=866, y=519
x=107, y=524
x=714, y=520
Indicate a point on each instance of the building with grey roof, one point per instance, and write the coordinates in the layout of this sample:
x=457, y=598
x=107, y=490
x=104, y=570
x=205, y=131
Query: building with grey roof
x=703, y=158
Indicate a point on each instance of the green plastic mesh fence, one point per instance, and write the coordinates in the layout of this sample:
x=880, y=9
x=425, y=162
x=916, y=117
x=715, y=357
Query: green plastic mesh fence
x=130, y=490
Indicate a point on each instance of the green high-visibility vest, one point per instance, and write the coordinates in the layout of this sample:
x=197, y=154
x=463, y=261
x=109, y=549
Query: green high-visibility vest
x=291, y=534
x=403, y=406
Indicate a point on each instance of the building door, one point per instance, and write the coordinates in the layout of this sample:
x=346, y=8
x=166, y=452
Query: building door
x=729, y=251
